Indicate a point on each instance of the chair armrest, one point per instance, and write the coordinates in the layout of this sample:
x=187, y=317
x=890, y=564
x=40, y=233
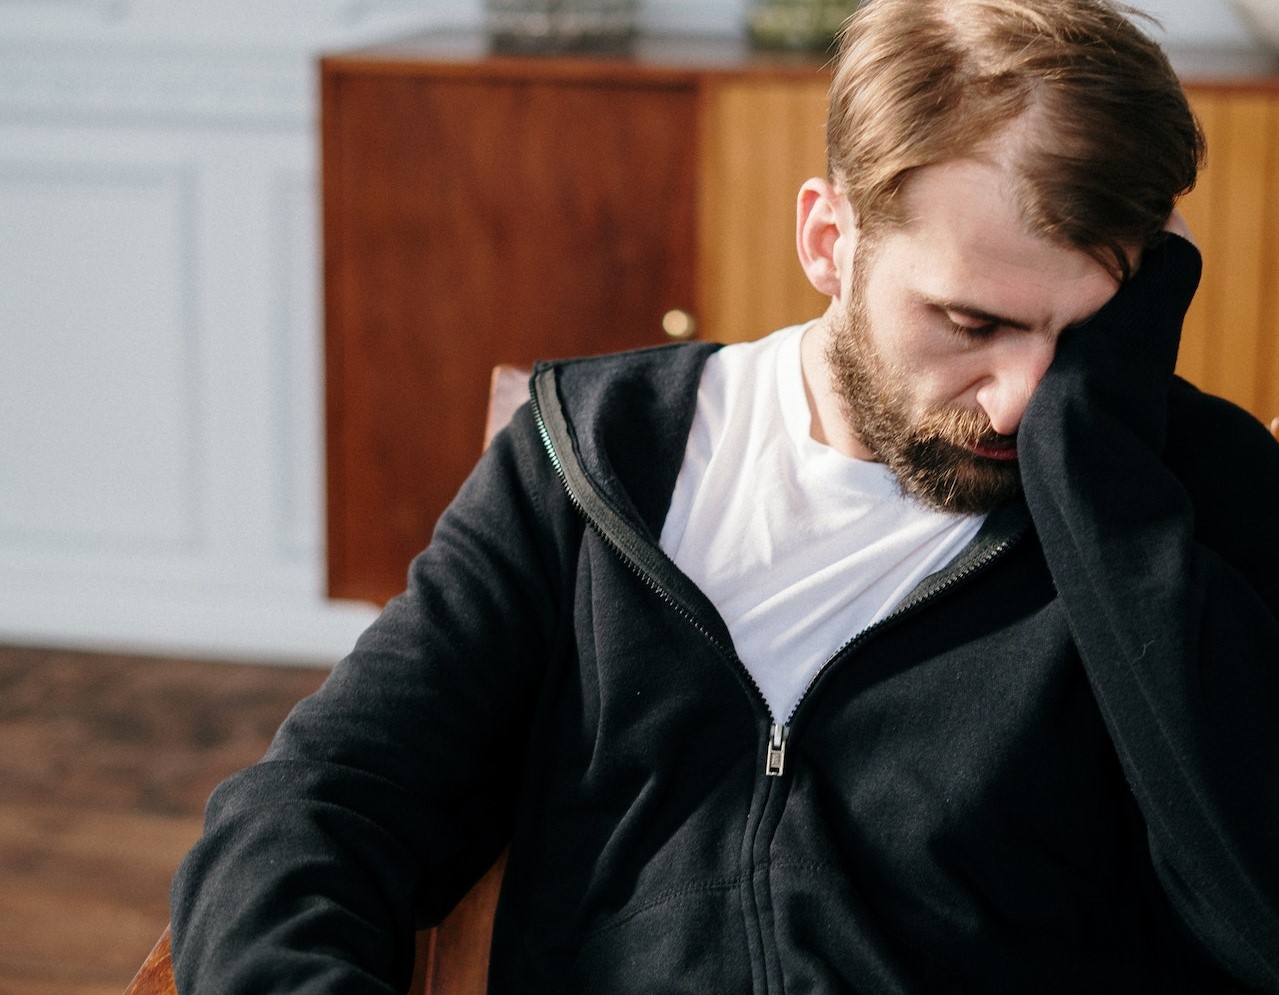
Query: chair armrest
x=155, y=976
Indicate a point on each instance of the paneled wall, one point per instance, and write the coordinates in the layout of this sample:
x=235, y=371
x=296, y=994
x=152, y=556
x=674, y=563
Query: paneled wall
x=160, y=376
x=160, y=395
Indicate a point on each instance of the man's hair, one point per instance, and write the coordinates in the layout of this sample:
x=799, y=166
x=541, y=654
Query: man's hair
x=1111, y=143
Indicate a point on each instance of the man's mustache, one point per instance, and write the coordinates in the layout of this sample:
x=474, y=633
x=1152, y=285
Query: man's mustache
x=964, y=428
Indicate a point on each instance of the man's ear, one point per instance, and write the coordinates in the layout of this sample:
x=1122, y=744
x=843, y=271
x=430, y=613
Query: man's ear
x=825, y=235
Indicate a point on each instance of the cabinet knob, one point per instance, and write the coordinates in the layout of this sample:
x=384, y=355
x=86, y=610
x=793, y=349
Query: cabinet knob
x=679, y=324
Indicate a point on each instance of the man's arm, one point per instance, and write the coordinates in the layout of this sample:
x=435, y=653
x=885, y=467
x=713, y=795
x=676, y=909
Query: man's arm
x=386, y=794
x=1180, y=642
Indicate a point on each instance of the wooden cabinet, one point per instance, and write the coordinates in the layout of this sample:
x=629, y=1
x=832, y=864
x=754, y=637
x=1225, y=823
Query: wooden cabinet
x=1230, y=343
x=481, y=209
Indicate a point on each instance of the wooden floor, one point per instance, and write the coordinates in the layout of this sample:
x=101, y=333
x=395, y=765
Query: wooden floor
x=105, y=765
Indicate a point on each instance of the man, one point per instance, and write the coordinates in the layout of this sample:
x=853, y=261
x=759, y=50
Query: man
x=928, y=647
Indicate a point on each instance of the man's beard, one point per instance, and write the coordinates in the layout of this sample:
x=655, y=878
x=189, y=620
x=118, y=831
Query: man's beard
x=930, y=453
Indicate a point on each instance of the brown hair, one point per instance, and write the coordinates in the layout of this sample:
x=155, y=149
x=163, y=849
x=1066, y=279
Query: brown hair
x=1112, y=144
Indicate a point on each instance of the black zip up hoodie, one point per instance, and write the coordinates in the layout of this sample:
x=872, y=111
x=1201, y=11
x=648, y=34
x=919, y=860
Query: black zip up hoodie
x=1054, y=769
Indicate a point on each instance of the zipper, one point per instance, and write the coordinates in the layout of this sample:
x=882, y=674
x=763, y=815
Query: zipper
x=779, y=732
x=640, y=570
x=614, y=529
x=908, y=607
x=775, y=757
x=625, y=556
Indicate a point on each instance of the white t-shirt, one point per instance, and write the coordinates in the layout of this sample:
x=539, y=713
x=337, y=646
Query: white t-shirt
x=798, y=546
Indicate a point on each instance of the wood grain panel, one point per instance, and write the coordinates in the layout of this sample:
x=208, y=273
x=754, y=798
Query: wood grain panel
x=1267, y=405
x=1241, y=270
x=1228, y=346
x=471, y=221
x=1200, y=208
x=763, y=138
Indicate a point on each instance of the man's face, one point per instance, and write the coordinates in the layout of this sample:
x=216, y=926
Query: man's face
x=947, y=325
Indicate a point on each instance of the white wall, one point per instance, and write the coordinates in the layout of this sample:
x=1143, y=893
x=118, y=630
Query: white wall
x=1197, y=23
x=160, y=374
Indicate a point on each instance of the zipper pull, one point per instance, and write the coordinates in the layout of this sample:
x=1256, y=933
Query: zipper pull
x=775, y=760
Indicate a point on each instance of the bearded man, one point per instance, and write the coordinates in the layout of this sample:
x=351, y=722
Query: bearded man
x=930, y=646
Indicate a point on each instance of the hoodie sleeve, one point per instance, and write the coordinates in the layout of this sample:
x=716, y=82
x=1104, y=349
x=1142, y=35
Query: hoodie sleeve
x=386, y=794
x=1166, y=563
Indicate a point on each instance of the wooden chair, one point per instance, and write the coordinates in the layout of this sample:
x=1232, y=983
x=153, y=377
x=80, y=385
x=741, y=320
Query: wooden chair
x=452, y=958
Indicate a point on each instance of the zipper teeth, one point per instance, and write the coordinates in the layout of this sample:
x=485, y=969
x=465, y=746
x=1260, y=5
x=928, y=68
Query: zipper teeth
x=636, y=568
x=891, y=619
x=899, y=613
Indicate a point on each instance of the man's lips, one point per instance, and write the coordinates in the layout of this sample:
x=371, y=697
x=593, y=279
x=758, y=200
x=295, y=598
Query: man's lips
x=995, y=450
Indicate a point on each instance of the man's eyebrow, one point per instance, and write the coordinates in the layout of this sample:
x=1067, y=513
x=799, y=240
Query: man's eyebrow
x=984, y=316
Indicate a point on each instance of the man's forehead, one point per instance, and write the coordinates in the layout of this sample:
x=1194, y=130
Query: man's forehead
x=964, y=248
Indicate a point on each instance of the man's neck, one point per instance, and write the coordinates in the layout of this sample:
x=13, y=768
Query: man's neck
x=829, y=424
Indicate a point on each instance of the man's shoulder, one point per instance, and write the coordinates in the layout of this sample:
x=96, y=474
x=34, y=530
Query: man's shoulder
x=625, y=418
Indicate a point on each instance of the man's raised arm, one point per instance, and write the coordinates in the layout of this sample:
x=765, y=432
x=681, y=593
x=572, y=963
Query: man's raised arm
x=1158, y=511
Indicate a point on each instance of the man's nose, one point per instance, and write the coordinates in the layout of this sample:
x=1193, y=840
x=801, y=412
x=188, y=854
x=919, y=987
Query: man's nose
x=1015, y=372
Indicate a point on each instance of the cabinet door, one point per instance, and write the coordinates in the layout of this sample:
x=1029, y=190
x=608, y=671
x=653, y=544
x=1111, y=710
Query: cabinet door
x=471, y=221
x=1230, y=343
x=762, y=138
